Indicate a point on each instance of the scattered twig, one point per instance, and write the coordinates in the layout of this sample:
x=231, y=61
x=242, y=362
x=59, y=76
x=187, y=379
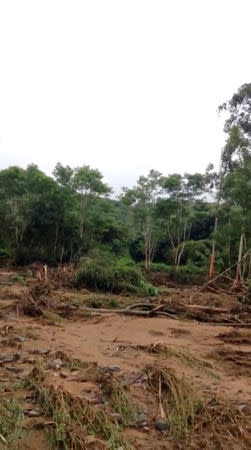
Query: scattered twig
x=3, y=439
x=218, y=276
x=137, y=378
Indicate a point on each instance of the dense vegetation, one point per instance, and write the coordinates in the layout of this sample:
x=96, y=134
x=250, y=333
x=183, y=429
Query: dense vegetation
x=180, y=224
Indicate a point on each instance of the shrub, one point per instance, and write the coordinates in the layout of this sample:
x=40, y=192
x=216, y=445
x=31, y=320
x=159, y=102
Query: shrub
x=187, y=274
x=160, y=267
x=197, y=253
x=4, y=253
x=184, y=274
x=104, y=271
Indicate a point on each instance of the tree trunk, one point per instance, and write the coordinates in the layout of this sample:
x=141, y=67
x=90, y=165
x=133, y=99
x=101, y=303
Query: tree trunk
x=212, y=256
x=238, y=277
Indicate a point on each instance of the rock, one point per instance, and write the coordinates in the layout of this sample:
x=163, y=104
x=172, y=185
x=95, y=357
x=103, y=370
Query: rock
x=63, y=374
x=19, y=338
x=142, y=424
x=161, y=425
x=34, y=413
x=45, y=351
x=58, y=362
x=30, y=360
x=14, y=369
x=111, y=369
x=241, y=407
x=142, y=420
x=55, y=364
x=11, y=358
x=31, y=412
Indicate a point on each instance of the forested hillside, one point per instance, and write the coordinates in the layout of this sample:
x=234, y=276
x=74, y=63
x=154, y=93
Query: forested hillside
x=187, y=224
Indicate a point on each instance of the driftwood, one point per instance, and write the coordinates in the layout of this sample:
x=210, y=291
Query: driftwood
x=218, y=276
x=227, y=324
x=132, y=311
x=208, y=309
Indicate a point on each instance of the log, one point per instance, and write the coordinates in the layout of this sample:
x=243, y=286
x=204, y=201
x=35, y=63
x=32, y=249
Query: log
x=227, y=324
x=132, y=311
x=208, y=309
x=218, y=276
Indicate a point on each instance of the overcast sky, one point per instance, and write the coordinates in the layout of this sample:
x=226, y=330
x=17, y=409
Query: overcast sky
x=121, y=85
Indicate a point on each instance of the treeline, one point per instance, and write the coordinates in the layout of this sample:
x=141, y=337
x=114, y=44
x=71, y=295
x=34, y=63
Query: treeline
x=198, y=223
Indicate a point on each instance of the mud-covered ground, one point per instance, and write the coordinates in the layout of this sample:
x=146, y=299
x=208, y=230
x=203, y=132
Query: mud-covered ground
x=70, y=378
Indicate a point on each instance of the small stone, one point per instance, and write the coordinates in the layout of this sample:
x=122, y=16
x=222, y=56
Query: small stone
x=55, y=364
x=58, y=362
x=142, y=424
x=142, y=420
x=161, y=425
x=31, y=412
x=45, y=351
x=30, y=360
x=112, y=369
x=19, y=338
x=63, y=374
x=14, y=369
x=34, y=413
x=241, y=407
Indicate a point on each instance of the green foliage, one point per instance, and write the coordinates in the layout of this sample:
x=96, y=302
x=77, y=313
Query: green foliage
x=188, y=274
x=163, y=218
x=147, y=290
x=184, y=274
x=104, y=271
x=160, y=267
x=197, y=253
x=11, y=418
x=4, y=253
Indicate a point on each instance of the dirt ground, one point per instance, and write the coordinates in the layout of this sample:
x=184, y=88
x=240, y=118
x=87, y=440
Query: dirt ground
x=214, y=360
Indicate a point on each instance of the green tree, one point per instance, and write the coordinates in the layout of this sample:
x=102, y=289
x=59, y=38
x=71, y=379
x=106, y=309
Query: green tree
x=142, y=198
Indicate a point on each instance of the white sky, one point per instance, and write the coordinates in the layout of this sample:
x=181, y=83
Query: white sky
x=121, y=85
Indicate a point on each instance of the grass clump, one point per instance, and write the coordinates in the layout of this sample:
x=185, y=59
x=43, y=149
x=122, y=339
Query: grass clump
x=75, y=419
x=195, y=422
x=68, y=362
x=183, y=355
x=178, y=401
x=106, y=272
x=160, y=267
x=120, y=401
x=11, y=418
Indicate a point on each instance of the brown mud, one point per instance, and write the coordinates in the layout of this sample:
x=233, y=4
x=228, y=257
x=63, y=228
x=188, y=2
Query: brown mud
x=122, y=373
